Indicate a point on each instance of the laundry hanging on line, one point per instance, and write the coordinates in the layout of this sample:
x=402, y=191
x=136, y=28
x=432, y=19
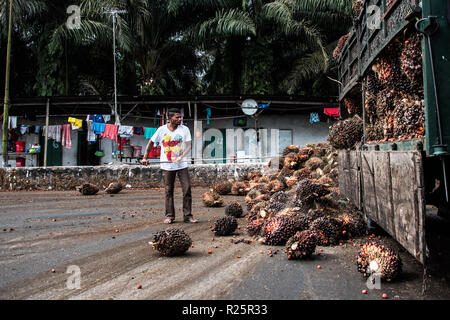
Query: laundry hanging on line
x=110, y=132
x=67, y=136
x=332, y=112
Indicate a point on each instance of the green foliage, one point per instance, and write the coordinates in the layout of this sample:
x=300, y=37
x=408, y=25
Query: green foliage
x=255, y=47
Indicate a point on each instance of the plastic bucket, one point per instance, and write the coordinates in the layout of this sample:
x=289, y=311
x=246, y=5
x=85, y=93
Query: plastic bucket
x=20, y=162
x=127, y=151
x=20, y=146
x=137, y=151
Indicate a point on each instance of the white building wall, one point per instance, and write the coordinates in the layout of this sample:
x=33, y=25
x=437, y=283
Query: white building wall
x=303, y=132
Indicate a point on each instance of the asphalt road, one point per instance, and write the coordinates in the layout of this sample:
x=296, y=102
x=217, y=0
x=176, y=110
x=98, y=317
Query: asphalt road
x=106, y=238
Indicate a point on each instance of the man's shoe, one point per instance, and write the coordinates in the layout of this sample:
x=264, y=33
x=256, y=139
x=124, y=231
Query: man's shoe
x=168, y=221
x=191, y=220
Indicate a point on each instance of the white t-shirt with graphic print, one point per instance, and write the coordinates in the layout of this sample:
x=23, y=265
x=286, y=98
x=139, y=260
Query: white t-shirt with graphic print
x=172, y=143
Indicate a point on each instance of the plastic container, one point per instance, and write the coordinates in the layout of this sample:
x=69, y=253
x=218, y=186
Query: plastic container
x=137, y=151
x=20, y=162
x=127, y=151
x=20, y=146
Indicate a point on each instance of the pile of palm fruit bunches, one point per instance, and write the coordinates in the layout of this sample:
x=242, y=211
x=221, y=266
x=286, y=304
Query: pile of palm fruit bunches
x=393, y=98
x=293, y=202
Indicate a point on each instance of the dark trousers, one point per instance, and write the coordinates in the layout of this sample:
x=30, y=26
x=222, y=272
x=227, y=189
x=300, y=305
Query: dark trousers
x=169, y=182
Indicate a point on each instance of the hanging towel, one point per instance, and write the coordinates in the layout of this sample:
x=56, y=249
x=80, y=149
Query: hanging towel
x=75, y=122
x=332, y=112
x=12, y=122
x=98, y=127
x=54, y=132
x=37, y=129
x=125, y=131
x=91, y=136
x=149, y=132
x=138, y=131
x=314, y=117
x=67, y=136
x=110, y=132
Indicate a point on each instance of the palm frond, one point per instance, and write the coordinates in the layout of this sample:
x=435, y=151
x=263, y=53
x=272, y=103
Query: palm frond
x=231, y=22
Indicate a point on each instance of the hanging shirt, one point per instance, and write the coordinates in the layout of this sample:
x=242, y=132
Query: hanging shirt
x=314, y=117
x=23, y=129
x=91, y=136
x=138, y=131
x=125, y=131
x=106, y=117
x=173, y=144
x=98, y=127
x=110, y=132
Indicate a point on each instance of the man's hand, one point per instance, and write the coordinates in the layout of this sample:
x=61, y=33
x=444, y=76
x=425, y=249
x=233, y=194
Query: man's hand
x=144, y=162
x=177, y=159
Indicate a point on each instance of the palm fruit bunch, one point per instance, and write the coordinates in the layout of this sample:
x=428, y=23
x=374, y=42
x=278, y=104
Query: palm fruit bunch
x=290, y=149
x=307, y=191
x=255, y=196
x=278, y=230
x=225, y=226
x=303, y=173
x=264, y=180
x=254, y=227
x=301, y=245
x=275, y=186
x=88, y=189
x=223, y=187
x=279, y=196
x=234, y=209
x=321, y=149
x=385, y=102
x=386, y=263
x=352, y=106
x=413, y=117
x=240, y=188
x=340, y=45
x=171, y=242
x=374, y=132
x=289, y=211
x=329, y=229
x=291, y=182
x=254, y=175
x=114, y=187
x=259, y=210
x=314, y=163
x=291, y=161
x=383, y=69
x=353, y=224
x=373, y=84
x=411, y=58
x=346, y=133
x=302, y=222
x=285, y=172
x=212, y=199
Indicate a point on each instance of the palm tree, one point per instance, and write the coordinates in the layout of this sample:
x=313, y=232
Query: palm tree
x=240, y=32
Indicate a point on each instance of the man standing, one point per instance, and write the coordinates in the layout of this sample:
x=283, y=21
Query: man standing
x=175, y=141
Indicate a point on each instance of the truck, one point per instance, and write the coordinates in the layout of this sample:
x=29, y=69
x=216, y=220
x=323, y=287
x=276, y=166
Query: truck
x=394, y=73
